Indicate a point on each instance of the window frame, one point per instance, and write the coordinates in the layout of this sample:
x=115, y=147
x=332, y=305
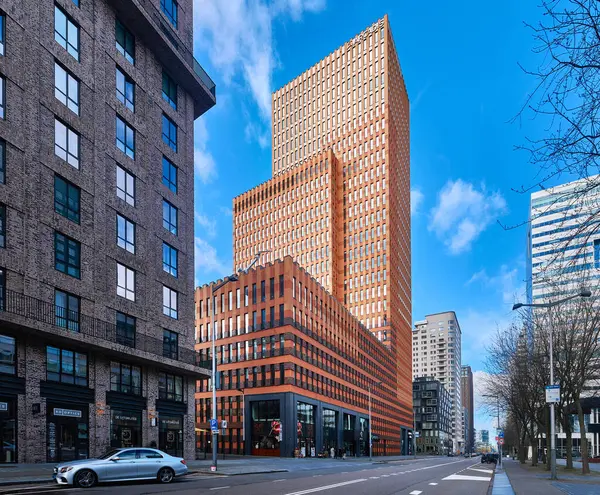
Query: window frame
x=171, y=169
x=128, y=38
x=124, y=325
x=163, y=392
x=3, y=220
x=62, y=352
x=6, y=344
x=118, y=385
x=65, y=97
x=65, y=209
x=2, y=161
x=170, y=344
x=125, y=194
x=128, y=131
x=173, y=14
x=72, y=49
x=70, y=133
x=125, y=291
x=2, y=97
x=123, y=93
x=69, y=322
x=125, y=242
x=170, y=95
x=167, y=223
x=70, y=265
x=171, y=132
x=168, y=309
x=168, y=252
x=2, y=33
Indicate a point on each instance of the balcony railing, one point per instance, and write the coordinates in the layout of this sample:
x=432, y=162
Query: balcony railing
x=50, y=314
x=178, y=43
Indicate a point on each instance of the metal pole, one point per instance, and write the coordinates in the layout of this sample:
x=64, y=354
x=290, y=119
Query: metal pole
x=499, y=444
x=414, y=435
x=370, y=429
x=214, y=380
x=552, y=434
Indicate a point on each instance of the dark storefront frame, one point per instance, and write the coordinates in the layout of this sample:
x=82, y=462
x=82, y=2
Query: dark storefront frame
x=8, y=430
x=264, y=415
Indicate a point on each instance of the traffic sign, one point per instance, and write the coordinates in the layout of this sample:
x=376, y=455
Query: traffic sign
x=417, y=434
x=214, y=426
x=501, y=441
x=552, y=393
x=501, y=434
x=224, y=424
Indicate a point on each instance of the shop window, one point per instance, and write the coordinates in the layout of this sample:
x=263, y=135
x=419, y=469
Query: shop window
x=170, y=387
x=8, y=355
x=66, y=366
x=125, y=378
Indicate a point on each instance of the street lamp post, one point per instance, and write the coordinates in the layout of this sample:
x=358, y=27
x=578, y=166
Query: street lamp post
x=370, y=426
x=549, y=306
x=231, y=278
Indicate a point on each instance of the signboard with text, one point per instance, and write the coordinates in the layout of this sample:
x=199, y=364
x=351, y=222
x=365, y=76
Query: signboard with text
x=553, y=393
x=70, y=413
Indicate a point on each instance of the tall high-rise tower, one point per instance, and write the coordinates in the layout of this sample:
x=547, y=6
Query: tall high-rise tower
x=339, y=199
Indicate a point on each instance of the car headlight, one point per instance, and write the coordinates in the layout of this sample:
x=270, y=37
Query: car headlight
x=66, y=469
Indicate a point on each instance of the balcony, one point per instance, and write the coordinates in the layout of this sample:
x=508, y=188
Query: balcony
x=149, y=25
x=27, y=313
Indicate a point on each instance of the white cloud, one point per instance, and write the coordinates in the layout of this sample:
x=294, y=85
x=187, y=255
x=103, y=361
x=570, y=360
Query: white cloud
x=208, y=262
x=463, y=213
x=416, y=198
x=237, y=35
x=204, y=163
x=507, y=282
x=208, y=225
x=226, y=211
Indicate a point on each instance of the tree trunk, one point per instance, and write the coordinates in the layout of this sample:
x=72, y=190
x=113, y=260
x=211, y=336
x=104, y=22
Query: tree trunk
x=585, y=464
x=568, y=440
x=522, y=447
x=534, y=448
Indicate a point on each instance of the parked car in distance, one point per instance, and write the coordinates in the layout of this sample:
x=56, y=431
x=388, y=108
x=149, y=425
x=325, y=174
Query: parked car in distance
x=121, y=465
x=489, y=459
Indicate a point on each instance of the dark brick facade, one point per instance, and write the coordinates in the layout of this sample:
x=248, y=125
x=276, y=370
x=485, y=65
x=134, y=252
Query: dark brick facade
x=29, y=314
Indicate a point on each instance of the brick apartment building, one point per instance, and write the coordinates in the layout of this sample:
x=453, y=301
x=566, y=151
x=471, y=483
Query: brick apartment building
x=290, y=353
x=339, y=205
x=97, y=105
x=433, y=416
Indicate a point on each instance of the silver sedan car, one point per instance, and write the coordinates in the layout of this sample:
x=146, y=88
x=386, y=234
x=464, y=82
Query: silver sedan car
x=121, y=465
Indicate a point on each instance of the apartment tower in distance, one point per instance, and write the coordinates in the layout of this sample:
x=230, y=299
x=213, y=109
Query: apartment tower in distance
x=97, y=107
x=436, y=352
x=339, y=199
x=468, y=407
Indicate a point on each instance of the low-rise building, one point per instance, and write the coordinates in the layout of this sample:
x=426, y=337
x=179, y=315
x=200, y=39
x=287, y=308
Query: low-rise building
x=433, y=416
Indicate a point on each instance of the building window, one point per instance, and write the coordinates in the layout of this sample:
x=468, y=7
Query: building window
x=2, y=97
x=125, y=90
x=67, y=255
x=2, y=289
x=125, y=329
x=170, y=259
x=125, y=42
x=66, y=33
x=76, y=2
x=2, y=225
x=66, y=88
x=169, y=90
x=170, y=344
x=169, y=132
x=596, y=253
x=169, y=8
x=169, y=302
x=263, y=290
x=125, y=378
x=169, y=177
x=281, y=314
x=2, y=161
x=8, y=355
x=125, y=282
x=67, y=199
x=272, y=288
x=281, y=285
x=125, y=138
x=125, y=186
x=169, y=217
x=2, y=32
x=66, y=310
x=63, y=365
x=66, y=143
x=170, y=387
x=125, y=234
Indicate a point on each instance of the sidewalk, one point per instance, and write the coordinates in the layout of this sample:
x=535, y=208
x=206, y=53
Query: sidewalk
x=527, y=480
x=39, y=473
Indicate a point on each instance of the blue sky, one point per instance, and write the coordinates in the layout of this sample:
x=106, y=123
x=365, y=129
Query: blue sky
x=460, y=63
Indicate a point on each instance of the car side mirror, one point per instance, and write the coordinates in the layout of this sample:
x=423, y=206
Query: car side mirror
x=115, y=458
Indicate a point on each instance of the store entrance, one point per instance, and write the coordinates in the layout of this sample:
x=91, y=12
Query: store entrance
x=68, y=438
x=8, y=431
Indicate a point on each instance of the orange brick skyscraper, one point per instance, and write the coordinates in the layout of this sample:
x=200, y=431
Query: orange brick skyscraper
x=339, y=199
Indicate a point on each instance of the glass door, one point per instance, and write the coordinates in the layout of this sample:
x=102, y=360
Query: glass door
x=8, y=440
x=67, y=441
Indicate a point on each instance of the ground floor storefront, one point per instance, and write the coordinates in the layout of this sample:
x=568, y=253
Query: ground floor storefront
x=289, y=424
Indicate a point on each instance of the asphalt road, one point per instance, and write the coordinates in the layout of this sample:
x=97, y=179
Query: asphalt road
x=432, y=476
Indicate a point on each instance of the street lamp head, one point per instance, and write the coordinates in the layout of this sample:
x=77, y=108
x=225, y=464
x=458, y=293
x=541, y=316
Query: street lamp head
x=232, y=278
x=517, y=306
x=585, y=293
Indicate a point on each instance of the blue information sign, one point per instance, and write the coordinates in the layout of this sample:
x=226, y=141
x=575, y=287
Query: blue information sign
x=214, y=426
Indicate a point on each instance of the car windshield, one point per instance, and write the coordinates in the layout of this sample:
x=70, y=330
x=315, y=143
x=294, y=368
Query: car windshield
x=110, y=453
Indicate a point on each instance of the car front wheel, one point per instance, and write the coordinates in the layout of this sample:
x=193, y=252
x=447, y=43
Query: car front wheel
x=85, y=479
x=166, y=475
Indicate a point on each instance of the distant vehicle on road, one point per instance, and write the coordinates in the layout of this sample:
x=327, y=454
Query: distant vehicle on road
x=121, y=465
x=489, y=459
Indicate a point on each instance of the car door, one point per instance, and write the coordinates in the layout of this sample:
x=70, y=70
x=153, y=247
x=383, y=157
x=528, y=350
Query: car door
x=148, y=462
x=123, y=466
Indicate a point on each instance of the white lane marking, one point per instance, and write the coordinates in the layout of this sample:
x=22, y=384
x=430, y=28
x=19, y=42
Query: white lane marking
x=219, y=488
x=488, y=471
x=415, y=492
x=462, y=477
x=317, y=475
x=328, y=487
x=374, y=478
x=277, y=481
x=433, y=484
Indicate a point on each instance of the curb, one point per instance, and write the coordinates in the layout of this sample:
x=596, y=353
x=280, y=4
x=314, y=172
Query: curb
x=26, y=482
x=244, y=473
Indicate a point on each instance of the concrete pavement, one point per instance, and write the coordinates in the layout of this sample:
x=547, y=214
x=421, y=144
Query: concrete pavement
x=425, y=476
